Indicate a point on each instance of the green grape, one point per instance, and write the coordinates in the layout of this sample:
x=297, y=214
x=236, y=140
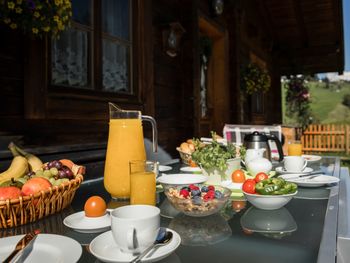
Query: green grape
x=39, y=173
x=54, y=171
x=47, y=173
x=52, y=180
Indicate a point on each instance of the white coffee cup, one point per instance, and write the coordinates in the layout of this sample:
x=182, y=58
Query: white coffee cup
x=294, y=163
x=135, y=227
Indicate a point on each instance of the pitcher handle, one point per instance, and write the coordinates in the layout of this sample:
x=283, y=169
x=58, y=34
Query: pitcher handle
x=154, y=131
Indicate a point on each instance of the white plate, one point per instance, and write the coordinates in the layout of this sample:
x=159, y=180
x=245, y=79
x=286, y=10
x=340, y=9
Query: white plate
x=312, y=158
x=80, y=223
x=46, y=248
x=281, y=170
x=312, y=182
x=189, y=169
x=164, y=168
x=231, y=185
x=105, y=249
x=178, y=179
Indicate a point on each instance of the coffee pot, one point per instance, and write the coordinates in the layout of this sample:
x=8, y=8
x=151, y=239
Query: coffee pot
x=257, y=141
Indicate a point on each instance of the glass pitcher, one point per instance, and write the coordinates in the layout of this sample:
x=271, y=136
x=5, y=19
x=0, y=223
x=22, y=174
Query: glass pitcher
x=125, y=143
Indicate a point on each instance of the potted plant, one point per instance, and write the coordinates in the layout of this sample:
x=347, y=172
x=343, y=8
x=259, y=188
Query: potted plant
x=36, y=17
x=217, y=160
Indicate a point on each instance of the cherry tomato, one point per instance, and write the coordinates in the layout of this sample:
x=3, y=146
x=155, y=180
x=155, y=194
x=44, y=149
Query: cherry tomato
x=261, y=176
x=238, y=176
x=238, y=205
x=95, y=206
x=249, y=186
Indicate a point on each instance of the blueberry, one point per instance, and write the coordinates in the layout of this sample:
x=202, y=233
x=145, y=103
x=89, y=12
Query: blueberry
x=218, y=194
x=197, y=200
x=205, y=189
x=196, y=193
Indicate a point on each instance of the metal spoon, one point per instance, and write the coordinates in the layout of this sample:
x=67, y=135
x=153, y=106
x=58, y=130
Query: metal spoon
x=163, y=238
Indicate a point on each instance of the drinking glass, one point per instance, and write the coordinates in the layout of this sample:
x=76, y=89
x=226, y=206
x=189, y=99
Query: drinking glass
x=295, y=148
x=143, y=182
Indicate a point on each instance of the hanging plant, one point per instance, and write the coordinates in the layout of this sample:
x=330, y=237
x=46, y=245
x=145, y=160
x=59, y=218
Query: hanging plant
x=298, y=100
x=255, y=79
x=36, y=17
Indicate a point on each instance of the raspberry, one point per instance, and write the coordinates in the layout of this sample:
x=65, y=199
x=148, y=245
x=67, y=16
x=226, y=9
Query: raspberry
x=208, y=197
x=211, y=187
x=211, y=193
x=184, y=193
x=193, y=187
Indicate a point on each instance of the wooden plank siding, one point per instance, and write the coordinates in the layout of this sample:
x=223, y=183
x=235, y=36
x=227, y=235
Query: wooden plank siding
x=318, y=138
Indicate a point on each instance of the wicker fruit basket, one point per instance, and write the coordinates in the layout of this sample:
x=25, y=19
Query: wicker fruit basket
x=185, y=157
x=27, y=209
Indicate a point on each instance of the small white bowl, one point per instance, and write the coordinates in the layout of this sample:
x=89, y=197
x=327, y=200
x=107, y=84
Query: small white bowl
x=173, y=180
x=269, y=202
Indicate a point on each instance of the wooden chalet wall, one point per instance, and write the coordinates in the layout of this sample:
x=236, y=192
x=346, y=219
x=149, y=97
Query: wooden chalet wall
x=255, y=45
x=167, y=87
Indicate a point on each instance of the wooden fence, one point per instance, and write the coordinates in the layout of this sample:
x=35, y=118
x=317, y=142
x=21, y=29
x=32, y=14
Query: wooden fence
x=326, y=138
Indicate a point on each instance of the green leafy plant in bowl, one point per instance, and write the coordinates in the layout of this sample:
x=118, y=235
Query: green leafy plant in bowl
x=217, y=160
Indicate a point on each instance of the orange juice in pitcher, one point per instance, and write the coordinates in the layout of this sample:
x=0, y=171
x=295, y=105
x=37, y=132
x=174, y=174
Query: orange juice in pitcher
x=125, y=143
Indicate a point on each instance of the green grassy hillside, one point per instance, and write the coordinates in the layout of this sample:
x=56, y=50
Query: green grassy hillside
x=326, y=103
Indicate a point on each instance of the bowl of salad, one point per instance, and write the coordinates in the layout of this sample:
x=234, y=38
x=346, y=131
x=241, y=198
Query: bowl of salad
x=269, y=194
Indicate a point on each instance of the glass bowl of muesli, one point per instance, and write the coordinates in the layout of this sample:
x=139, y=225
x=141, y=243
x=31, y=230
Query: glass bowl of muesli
x=198, y=199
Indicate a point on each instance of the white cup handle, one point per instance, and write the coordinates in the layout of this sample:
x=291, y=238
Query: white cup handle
x=131, y=239
x=305, y=164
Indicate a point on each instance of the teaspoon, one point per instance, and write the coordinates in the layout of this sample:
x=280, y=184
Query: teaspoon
x=163, y=238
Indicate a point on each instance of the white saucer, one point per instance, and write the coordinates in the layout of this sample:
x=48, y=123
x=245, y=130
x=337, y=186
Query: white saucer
x=311, y=182
x=105, y=249
x=80, y=223
x=46, y=248
x=311, y=158
x=231, y=185
x=179, y=179
x=281, y=170
x=189, y=169
x=164, y=168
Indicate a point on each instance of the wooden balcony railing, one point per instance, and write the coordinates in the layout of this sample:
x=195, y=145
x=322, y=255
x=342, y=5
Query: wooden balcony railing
x=326, y=138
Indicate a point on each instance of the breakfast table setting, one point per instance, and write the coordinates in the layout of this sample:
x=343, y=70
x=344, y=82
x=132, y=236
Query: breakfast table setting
x=235, y=232
x=218, y=202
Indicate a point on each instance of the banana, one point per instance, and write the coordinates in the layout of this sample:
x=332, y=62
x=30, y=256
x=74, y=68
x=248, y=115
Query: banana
x=18, y=168
x=35, y=163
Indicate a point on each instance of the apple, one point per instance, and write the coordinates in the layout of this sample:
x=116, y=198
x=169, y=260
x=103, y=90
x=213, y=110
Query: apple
x=9, y=192
x=35, y=185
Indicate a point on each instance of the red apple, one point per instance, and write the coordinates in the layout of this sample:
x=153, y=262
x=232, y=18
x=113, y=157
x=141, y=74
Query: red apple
x=9, y=192
x=35, y=185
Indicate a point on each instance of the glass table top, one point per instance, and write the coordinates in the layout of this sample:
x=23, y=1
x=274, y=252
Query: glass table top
x=239, y=233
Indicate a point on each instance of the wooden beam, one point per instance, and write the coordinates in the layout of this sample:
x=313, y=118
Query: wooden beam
x=301, y=23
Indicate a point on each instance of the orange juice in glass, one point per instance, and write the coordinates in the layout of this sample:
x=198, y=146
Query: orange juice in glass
x=143, y=182
x=125, y=143
x=295, y=148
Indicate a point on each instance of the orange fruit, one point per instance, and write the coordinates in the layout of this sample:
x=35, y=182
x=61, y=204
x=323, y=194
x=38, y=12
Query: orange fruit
x=95, y=206
x=238, y=176
x=192, y=163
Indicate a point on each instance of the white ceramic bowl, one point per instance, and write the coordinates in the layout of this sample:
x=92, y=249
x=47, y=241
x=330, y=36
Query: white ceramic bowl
x=173, y=180
x=269, y=202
